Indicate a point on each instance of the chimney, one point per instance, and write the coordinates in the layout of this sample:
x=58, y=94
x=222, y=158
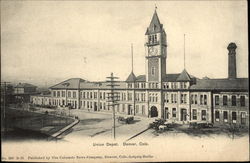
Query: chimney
x=232, y=73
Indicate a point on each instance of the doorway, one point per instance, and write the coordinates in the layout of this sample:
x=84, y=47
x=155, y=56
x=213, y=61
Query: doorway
x=183, y=114
x=154, y=111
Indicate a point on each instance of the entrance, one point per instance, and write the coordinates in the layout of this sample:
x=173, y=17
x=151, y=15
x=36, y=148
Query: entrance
x=153, y=111
x=130, y=110
x=183, y=114
x=166, y=113
x=95, y=106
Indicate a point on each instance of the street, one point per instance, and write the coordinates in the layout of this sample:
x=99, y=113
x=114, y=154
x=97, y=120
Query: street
x=99, y=125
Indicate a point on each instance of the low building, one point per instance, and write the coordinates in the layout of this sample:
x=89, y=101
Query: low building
x=23, y=91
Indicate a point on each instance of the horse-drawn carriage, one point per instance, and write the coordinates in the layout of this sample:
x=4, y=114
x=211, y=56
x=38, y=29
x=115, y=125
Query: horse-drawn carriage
x=126, y=120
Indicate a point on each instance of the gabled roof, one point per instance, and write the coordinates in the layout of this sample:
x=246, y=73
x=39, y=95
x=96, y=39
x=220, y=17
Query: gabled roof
x=155, y=25
x=184, y=76
x=24, y=85
x=141, y=78
x=221, y=84
x=171, y=77
x=72, y=83
x=131, y=77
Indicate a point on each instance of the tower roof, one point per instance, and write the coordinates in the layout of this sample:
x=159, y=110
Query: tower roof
x=184, y=76
x=131, y=77
x=155, y=26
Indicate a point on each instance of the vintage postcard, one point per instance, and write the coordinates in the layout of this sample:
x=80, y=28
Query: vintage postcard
x=124, y=81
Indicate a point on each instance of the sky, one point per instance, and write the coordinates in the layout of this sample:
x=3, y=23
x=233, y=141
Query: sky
x=46, y=42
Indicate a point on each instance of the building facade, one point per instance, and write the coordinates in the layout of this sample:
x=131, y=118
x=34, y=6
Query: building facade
x=176, y=97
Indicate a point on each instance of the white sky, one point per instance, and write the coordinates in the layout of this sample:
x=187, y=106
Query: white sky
x=50, y=41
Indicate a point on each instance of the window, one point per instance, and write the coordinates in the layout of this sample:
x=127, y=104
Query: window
x=74, y=94
x=184, y=85
x=123, y=107
x=104, y=106
x=201, y=99
x=54, y=93
x=217, y=115
x=143, y=109
x=175, y=98
x=87, y=94
x=217, y=100
x=63, y=94
x=118, y=108
x=90, y=94
x=104, y=95
x=194, y=114
x=58, y=93
x=174, y=112
x=225, y=116
x=153, y=71
x=130, y=96
x=69, y=94
x=192, y=99
x=83, y=94
x=233, y=100
x=137, y=109
x=243, y=118
x=242, y=100
x=224, y=100
x=185, y=98
x=166, y=113
x=172, y=98
x=234, y=117
x=203, y=115
x=205, y=99
x=195, y=99
x=182, y=98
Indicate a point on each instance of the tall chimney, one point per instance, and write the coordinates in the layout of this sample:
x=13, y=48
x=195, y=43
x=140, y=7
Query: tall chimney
x=232, y=73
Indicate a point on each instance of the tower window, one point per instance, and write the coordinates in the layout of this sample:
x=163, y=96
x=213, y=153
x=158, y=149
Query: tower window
x=153, y=70
x=154, y=27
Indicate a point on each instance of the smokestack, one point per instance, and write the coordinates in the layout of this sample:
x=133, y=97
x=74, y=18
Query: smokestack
x=232, y=73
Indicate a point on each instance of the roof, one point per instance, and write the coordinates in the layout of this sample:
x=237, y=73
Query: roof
x=221, y=84
x=72, y=83
x=102, y=85
x=155, y=25
x=171, y=77
x=131, y=77
x=184, y=76
x=141, y=78
x=25, y=85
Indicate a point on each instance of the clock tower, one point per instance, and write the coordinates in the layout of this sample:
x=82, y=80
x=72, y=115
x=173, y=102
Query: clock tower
x=156, y=51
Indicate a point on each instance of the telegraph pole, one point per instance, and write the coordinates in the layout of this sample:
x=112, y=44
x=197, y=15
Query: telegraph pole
x=112, y=97
x=4, y=104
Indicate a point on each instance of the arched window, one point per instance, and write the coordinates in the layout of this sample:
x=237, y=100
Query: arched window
x=153, y=70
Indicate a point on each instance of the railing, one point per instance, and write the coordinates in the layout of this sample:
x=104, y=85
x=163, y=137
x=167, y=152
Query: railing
x=153, y=43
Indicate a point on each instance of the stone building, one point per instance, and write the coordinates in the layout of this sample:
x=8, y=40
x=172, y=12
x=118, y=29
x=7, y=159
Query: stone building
x=176, y=97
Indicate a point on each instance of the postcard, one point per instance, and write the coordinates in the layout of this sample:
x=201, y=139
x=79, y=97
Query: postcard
x=124, y=81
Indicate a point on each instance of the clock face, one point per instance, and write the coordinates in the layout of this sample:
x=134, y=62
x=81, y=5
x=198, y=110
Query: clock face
x=153, y=51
